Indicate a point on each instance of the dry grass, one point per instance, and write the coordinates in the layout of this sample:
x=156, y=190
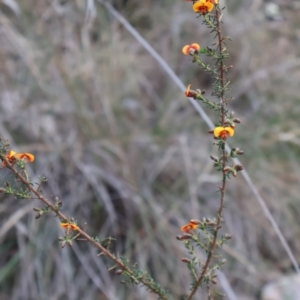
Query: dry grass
x=127, y=154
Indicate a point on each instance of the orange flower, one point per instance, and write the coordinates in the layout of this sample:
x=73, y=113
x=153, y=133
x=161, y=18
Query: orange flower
x=213, y=1
x=27, y=157
x=188, y=92
x=186, y=49
x=203, y=7
x=12, y=156
x=66, y=225
x=223, y=132
x=190, y=226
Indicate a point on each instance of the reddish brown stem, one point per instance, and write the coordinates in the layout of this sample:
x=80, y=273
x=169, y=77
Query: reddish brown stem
x=62, y=217
x=224, y=159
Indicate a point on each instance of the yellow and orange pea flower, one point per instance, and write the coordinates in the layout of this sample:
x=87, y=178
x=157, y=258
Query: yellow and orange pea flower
x=212, y=1
x=27, y=157
x=203, y=6
x=12, y=156
x=188, y=91
x=191, y=93
x=223, y=132
x=66, y=225
x=189, y=227
x=186, y=49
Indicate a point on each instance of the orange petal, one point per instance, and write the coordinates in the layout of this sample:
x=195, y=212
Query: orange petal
x=186, y=228
x=187, y=92
x=229, y=130
x=10, y=157
x=196, y=6
x=185, y=49
x=209, y=6
x=218, y=130
x=202, y=6
x=195, y=46
x=65, y=225
x=193, y=226
x=68, y=226
x=189, y=227
x=10, y=154
x=74, y=227
x=28, y=157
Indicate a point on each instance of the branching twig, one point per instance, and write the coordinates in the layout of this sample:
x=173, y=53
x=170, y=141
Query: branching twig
x=221, y=82
x=63, y=218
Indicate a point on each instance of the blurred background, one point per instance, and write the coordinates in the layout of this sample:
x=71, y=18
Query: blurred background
x=124, y=150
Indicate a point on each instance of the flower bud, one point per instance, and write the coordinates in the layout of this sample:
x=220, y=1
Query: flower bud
x=228, y=236
x=214, y=158
x=236, y=120
x=214, y=281
x=239, y=152
x=200, y=92
x=185, y=260
x=210, y=131
x=119, y=272
x=226, y=169
x=185, y=236
x=238, y=167
x=211, y=223
x=196, y=222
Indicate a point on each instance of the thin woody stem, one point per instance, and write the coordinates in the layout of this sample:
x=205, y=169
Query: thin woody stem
x=222, y=79
x=224, y=159
x=103, y=250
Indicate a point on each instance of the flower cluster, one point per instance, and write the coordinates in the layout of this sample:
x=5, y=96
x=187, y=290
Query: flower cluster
x=12, y=157
x=203, y=6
